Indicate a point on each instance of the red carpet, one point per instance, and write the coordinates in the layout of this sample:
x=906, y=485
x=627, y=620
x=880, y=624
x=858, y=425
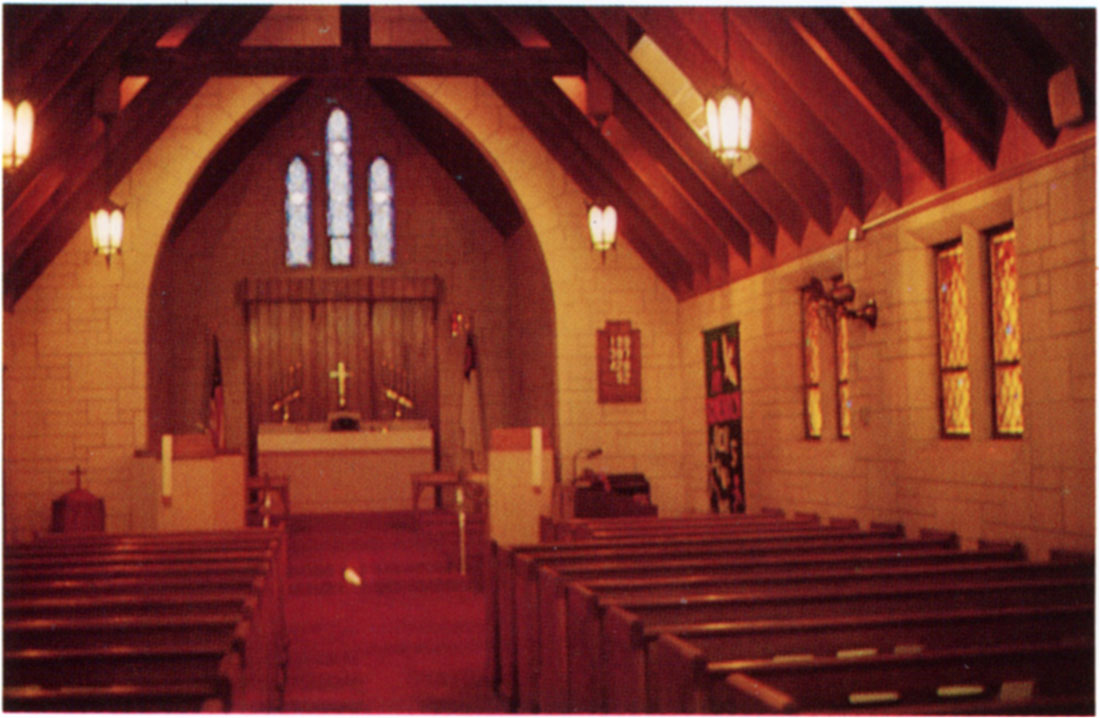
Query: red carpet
x=411, y=639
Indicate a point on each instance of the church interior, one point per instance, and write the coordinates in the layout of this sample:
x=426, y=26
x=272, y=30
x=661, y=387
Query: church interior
x=388, y=358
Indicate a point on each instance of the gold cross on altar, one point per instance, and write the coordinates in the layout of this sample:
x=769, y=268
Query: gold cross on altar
x=341, y=375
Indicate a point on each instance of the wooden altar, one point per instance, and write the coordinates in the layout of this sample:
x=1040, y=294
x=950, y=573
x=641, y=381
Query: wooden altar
x=347, y=471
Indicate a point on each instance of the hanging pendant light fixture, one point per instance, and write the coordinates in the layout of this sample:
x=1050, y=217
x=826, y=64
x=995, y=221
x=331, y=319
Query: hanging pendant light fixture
x=107, y=228
x=602, y=225
x=729, y=114
x=16, y=132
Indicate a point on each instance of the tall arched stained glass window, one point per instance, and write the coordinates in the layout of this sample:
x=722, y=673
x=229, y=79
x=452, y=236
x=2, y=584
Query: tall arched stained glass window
x=299, y=242
x=381, y=212
x=338, y=177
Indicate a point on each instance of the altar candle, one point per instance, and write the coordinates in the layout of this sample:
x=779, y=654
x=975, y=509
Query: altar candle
x=536, y=456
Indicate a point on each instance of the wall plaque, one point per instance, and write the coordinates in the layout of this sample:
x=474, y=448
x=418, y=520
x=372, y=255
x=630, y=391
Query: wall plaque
x=619, y=363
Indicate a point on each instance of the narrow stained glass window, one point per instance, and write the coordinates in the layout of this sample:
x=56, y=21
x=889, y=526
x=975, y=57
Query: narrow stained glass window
x=338, y=177
x=299, y=242
x=953, y=340
x=1005, y=298
x=811, y=364
x=381, y=213
x=843, y=397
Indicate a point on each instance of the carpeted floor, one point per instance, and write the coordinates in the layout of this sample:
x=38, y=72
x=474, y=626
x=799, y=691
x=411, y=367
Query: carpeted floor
x=412, y=638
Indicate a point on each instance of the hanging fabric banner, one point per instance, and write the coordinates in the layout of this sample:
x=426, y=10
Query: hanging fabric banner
x=725, y=470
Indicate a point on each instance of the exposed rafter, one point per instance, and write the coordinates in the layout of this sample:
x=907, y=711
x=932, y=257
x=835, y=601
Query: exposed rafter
x=769, y=145
x=982, y=35
x=105, y=159
x=646, y=111
x=882, y=92
x=938, y=74
x=857, y=109
x=359, y=62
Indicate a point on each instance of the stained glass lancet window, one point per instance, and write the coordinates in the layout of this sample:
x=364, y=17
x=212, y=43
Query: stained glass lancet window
x=1005, y=298
x=811, y=364
x=338, y=177
x=299, y=242
x=381, y=212
x=953, y=340
x=843, y=397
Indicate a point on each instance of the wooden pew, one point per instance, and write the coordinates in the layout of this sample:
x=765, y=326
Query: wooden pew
x=566, y=530
x=993, y=676
x=678, y=680
x=570, y=642
x=108, y=632
x=500, y=605
x=520, y=615
x=624, y=644
x=179, y=624
x=209, y=697
x=89, y=587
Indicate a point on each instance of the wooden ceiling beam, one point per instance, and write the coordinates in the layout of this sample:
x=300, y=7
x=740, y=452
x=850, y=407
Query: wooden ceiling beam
x=104, y=163
x=957, y=94
x=355, y=26
x=795, y=120
x=33, y=39
x=983, y=37
x=882, y=92
x=85, y=40
x=826, y=97
x=1072, y=34
x=772, y=149
x=67, y=123
x=360, y=62
x=455, y=153
x=562, y=130
x=645, y=111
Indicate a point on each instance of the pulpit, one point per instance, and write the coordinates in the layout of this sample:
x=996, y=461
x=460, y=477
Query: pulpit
x=338, y=471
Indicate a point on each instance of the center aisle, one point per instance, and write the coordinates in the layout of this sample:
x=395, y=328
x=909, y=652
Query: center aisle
x=411, y=638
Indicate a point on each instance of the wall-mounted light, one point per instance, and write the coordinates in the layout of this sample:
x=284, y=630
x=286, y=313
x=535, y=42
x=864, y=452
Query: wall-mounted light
x=16, y=132
x=107, y=228
x=839, y=295
x=602, y=226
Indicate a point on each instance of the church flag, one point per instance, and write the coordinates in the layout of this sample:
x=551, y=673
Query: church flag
x=471, y=416
x=216, y=425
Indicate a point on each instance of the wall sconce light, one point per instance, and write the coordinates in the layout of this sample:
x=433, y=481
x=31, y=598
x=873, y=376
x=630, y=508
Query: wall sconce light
x=107, y=227
x=602, y=225
x=16, y=132
x=839, y=296
x=729, y=114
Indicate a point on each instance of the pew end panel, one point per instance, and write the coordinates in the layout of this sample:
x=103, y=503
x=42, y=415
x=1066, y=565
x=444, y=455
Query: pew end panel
x=583, y=648
x=506, y=601
x=674, y=676
x=553, y=643
x=525, y=575
x=492, y=614
x=623, y=647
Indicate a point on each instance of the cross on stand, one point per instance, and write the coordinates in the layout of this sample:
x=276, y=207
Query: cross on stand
x=341, y=375
x=77, y=472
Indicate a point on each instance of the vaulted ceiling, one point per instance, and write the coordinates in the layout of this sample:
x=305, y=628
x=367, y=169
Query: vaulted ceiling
x=856, y=109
